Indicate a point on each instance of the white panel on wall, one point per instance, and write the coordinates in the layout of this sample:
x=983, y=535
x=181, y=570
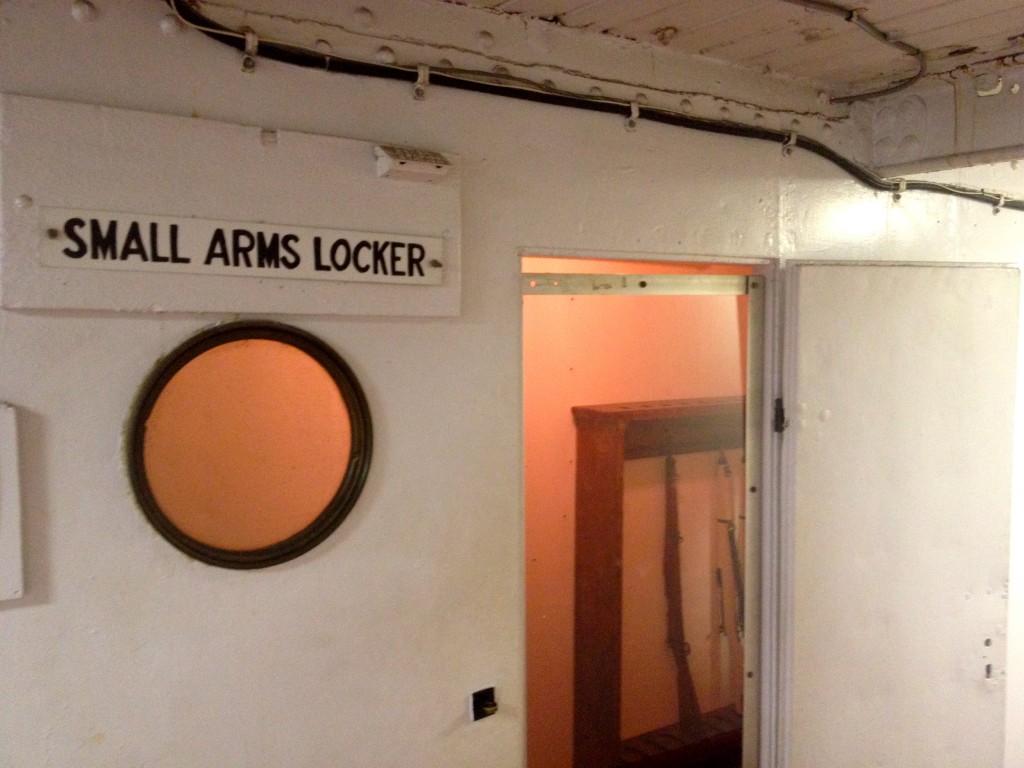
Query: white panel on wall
x=901, y=422
x=162, y=172
x=11, y=578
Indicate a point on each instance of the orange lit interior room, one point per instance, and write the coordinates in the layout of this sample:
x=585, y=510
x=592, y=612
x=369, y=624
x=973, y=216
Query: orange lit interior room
x=589, y=350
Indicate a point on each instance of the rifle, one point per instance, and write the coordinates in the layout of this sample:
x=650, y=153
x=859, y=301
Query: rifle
x=734, y=550
x=690, y=724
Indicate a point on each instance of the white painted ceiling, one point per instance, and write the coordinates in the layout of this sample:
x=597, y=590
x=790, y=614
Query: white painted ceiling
x=794, y=39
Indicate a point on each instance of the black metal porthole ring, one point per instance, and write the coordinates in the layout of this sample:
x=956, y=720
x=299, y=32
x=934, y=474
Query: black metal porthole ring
x=324, y=521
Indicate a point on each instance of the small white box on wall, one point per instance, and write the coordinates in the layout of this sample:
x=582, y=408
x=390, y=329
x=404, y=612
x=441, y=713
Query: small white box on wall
x=11, y=573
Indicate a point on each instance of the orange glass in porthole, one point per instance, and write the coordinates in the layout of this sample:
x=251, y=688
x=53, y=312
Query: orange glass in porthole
x=249, y=444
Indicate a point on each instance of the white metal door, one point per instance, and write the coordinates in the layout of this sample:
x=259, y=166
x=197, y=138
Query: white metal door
x=900, y=399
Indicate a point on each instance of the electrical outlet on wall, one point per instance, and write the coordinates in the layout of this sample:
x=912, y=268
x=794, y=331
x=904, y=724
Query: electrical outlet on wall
x=482, y=704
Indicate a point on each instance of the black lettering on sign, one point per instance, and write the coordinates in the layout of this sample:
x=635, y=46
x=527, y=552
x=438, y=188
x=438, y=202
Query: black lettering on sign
x=158, y=242
x=133, y=245
x=104, y=243
x=338, y=244
x=218, y=248
x=154, y=245
x=379, y=267
x=175, y=259
x=291, y=258
x=362, y=245
x=396, y=257
x=242, y=244
x=317, y=264
x=71, y=227
x=268, y=250
x=416, y=255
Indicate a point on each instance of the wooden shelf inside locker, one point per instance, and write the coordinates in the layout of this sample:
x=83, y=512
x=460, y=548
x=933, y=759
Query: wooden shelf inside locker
x=721, y=746
x=606, y=436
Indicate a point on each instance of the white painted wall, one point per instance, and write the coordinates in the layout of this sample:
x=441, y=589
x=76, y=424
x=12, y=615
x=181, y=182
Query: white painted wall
x=361, y=653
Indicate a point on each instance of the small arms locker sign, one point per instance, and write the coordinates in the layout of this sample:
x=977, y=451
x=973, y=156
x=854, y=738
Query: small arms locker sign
x=101, y=240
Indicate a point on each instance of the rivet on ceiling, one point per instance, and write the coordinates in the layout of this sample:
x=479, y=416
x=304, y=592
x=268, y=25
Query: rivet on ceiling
x=83, y=10
x=365, y=17
x=666, y=35
x=170, y=24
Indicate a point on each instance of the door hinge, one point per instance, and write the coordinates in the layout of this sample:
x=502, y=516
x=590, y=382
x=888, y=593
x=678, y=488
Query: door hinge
x=780, y=421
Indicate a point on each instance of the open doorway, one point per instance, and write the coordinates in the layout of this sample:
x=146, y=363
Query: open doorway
x=662, y=678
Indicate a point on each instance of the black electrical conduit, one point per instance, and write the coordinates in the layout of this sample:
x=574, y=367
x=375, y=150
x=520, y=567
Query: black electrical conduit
x=304, y=57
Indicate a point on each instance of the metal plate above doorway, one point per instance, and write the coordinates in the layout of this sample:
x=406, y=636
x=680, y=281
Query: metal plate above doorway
x=653, y=285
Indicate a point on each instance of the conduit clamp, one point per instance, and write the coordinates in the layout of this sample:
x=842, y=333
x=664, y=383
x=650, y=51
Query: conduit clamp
x=901, y=187
x=995, y=90
x=249, y=55
x=790, y=143
x=634, y=116
x=419, y=90
x=998, y=206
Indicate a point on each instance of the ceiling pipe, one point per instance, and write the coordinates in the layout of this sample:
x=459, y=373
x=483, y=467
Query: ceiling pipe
x=854, y=17
x=301, y=56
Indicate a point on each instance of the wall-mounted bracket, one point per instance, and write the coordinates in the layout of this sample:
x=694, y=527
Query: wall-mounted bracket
x=419, y=89
x=249, y=54
x=634, y=116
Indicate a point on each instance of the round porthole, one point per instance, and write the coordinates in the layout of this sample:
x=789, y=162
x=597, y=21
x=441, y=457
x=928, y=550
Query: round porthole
x=249, y=444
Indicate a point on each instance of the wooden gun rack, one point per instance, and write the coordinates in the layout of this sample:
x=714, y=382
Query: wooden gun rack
x=607, y=435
